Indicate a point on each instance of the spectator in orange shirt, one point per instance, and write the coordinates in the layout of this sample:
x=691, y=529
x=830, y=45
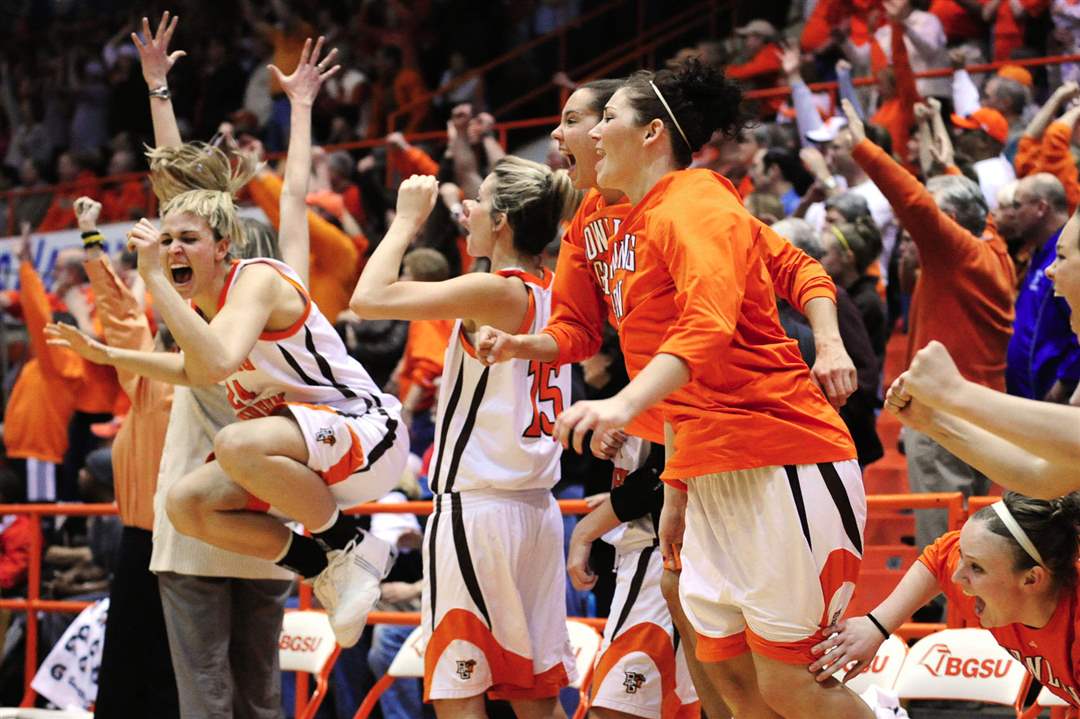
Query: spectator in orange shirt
x=129, y=200
x=963, y=297
x=398, y=88
x=761, y=67
x=15, y=533
x=422, y=363
x=78, y=180
x=697, y=319
x=1009, y=18
x=287, y=36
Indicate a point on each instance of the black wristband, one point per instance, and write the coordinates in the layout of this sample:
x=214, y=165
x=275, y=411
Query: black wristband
x=90, y=233
x=877, y=624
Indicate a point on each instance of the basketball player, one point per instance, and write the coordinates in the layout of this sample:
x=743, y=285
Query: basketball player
x=317, y=434
x=765, y=460
x=493, y=608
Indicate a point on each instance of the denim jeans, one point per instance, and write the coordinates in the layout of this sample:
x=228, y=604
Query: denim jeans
x=402, y=700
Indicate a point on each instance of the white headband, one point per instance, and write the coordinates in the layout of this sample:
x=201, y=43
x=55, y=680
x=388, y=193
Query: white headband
x=671, y=114
x=1017, y=532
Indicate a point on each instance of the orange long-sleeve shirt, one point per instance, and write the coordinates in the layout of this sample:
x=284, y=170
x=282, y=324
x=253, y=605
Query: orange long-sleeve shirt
x=762, y=70
x=43, y=398
x=1055, y=157
x=1028, y=154
x=1008, y=32
x=688, y=274
x=136, y=452
x=422, y=362
x=964, y=294
x=335, y=257
x=828, y=14
x=897, y=114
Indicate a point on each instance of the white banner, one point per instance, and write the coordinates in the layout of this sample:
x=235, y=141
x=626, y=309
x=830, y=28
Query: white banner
x=46, y=246
x=68, y=676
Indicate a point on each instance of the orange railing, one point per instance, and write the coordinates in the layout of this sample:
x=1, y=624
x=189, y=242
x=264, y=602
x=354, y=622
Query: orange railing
x=953, y=503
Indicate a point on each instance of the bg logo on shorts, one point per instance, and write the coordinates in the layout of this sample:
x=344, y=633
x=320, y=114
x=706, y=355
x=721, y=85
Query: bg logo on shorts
x=326, y=436
x=465, y=668
x=633, y=682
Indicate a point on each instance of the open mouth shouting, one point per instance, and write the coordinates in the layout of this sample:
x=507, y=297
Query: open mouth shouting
x=181, y=274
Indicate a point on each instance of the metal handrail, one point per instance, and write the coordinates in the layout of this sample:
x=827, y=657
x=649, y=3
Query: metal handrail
x=953, y=503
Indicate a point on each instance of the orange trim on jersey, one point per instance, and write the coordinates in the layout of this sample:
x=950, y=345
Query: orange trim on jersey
x=546, y=684
x=689, y=711
x=466, y=344
x=254, y=504
x=786, y=652
x=718, y=649
x=841, y=567
x=530, y=315
x=655, y=643
x=543, y=282
x=274, y=335
x=228, y=281
x=352, y=461
x=506, y=667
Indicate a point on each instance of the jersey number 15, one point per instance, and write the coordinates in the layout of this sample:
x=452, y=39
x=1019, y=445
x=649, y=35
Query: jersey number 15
x=547, y=399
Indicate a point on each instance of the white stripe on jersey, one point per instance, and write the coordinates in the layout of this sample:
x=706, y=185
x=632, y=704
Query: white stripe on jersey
x=493, y=425
x=305, y=363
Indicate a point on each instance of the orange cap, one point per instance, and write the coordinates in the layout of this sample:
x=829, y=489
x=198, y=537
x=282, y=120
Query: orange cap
x=987, y=119
x=1015, y=72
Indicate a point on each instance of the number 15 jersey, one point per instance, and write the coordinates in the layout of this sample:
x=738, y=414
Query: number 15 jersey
x=493, y=428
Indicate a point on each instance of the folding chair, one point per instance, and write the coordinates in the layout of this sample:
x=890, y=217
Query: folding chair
x=307, y=644
x=965, y=665
x=408, y=662
x=884, y=668
x=586, y=643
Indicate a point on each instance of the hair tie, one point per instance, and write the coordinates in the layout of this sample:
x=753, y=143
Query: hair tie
x=840, y=237
x=1017, y=532
x=670, y=114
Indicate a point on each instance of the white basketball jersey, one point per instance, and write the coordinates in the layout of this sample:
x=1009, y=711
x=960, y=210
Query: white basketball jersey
x=493, y=428
x=636, y=533
x=305, y=363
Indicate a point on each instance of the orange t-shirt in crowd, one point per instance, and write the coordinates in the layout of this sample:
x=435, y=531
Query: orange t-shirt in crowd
x=422, y=362
x=828, y=14
x=335, y=257
x=1051, y=653
x=958, y=22
x=688, y=275
x=1008, y=34
x=1052, y=154
x=762, y=70
x=287, y=50
x=965, y=291
x=43, y=398
x=129, y=201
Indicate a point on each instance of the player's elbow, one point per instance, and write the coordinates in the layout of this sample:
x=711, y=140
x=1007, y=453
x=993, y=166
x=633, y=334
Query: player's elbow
x=369, y=304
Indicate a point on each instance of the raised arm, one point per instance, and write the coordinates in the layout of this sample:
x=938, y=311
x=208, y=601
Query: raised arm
x=1047, y=430
x=846, y=87
x=379, y=294
x=1004, y=462
x=156, y=62
x=807, y=118
x=301, y=87
x=1049, y=110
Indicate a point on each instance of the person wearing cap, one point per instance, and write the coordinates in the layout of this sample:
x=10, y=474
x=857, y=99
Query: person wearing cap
x=982, y=138
x=1011, y=569
x=1008, y=92
x=963, y=297
x=762, y=65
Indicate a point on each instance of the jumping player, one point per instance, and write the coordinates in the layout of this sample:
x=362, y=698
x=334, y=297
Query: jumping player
x=580, y=306
x=493, y=608
x=765, y=460
x=317, y=434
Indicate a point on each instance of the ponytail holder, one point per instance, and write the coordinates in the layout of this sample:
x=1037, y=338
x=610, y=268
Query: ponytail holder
x=1017, y=532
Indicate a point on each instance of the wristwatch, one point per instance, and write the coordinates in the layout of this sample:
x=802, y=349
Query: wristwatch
x=162, y=92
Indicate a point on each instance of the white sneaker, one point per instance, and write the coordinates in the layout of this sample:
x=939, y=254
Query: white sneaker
x=349, y=586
